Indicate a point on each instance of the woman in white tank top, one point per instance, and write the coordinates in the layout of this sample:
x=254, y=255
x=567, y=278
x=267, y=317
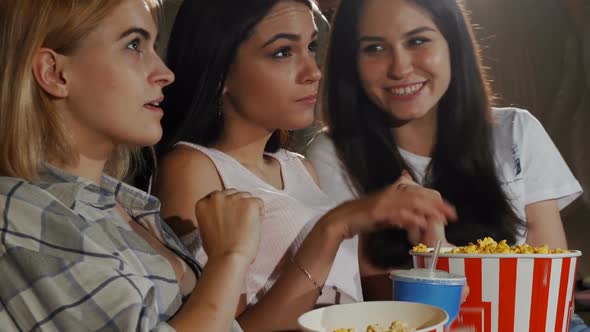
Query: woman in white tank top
x=289, y=214
x=243, y=77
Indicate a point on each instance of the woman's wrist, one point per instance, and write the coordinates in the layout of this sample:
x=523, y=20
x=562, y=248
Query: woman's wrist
x=353, y=217
x=336, y=224
x=231, y=257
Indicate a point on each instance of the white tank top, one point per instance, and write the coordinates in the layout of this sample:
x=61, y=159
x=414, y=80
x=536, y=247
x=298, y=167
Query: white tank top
x=289, y=215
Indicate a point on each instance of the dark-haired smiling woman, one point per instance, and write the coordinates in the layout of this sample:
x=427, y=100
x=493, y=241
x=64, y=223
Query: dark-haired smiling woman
x=245, y=73
x=404, y=90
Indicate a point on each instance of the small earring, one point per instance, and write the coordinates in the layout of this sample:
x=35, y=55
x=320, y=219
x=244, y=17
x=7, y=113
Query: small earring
x=219, y=106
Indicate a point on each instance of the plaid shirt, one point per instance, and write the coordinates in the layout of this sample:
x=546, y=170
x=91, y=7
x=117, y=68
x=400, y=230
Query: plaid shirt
x=70, y=262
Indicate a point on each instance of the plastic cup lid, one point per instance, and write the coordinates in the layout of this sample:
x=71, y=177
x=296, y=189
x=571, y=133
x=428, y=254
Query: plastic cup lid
x=436, y=276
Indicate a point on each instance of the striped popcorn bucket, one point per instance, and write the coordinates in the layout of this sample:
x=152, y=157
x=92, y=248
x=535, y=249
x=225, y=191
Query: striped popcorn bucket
x=512, y=292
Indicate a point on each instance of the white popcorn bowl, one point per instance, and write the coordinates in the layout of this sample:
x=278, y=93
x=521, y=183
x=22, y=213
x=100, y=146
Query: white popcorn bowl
x=422, y=317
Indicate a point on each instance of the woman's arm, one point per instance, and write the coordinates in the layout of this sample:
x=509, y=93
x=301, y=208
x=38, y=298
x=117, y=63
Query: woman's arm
x=376, y=284
x=549, y=185
x=228, y=223
x=185, y=176
x=544, y=225
x=212, y=304
x=294, y=293
x=334, y=181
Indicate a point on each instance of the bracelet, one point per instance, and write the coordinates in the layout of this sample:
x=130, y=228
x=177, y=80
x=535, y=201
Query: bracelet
x=315, y=284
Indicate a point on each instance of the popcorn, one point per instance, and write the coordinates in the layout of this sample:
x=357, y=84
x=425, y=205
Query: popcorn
x=490, y=246
x=396, y=326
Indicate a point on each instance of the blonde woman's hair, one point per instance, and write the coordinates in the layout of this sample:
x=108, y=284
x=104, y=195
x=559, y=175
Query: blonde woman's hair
x=31, y=130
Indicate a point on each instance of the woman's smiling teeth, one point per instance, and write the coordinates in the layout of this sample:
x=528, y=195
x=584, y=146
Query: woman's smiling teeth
x=407, y=90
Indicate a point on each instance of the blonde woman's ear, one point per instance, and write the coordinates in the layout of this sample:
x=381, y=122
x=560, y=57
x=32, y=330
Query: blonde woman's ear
x=48, y=72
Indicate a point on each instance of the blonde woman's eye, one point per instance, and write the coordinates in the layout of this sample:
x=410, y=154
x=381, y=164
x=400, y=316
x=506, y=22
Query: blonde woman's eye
x=134, y=45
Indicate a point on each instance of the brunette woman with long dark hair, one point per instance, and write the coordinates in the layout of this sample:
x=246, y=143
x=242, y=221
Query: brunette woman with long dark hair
x=246, y=74
x=404, y=89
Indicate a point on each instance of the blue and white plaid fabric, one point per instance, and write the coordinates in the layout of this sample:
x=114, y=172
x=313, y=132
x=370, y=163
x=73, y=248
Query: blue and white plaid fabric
x=70, y=262
x=577, y=324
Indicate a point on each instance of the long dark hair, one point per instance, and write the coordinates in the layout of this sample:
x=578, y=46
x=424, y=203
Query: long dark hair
x=462, y=167
x=203, y=44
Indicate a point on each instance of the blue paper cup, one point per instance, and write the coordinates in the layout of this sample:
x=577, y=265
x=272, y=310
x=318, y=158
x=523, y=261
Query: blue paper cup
x=438, y=288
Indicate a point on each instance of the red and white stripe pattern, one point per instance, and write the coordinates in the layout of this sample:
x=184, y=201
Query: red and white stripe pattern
x=513, y=293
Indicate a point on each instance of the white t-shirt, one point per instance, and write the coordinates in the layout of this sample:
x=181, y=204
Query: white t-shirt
x=529, y=165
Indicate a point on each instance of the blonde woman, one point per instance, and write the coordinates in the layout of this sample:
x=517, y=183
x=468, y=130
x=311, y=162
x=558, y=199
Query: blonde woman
x=80, y=83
